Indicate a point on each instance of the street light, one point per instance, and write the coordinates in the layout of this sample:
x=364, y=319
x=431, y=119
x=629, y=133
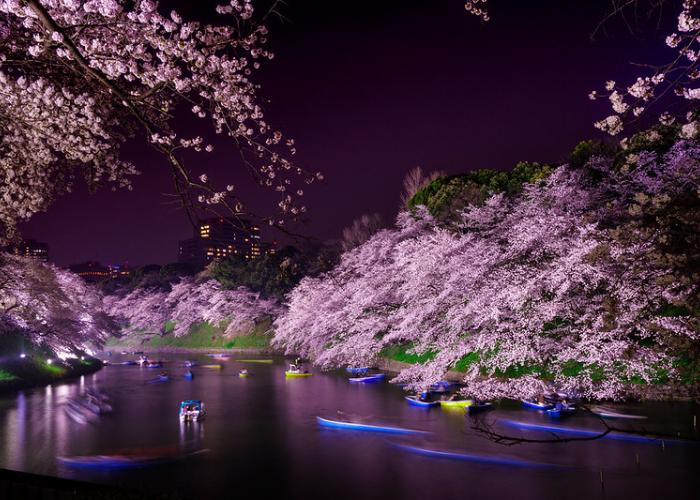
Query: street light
x=49, y=361
x=22, y=355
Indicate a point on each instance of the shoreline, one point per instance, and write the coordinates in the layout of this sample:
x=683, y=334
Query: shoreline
x=18, y=384
x=194, y=350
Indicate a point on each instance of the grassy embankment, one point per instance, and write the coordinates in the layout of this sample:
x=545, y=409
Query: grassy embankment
x=201, y=335
x=38, y=366
x=689, y=371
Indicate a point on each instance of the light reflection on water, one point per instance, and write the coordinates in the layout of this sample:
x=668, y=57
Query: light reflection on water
x=262, y=429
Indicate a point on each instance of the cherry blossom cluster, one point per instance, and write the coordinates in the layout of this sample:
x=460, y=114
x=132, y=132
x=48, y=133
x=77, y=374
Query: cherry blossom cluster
x=678, y=77
x=89, y=74
x=45, y=129
x=53, y=307
x=190, y=301
x=561, y=287
x=478, y=9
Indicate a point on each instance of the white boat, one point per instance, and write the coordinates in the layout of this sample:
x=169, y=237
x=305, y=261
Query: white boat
x=192, y=410
x=606, y=412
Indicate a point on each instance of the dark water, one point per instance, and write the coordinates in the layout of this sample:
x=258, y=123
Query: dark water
x=261, y=435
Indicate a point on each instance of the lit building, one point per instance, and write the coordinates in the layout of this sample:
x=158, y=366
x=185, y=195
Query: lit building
x=30, y=248
x=93, y=271
x=218, y=238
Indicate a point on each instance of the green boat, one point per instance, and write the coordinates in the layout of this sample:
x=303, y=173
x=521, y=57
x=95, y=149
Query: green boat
x=290, y=374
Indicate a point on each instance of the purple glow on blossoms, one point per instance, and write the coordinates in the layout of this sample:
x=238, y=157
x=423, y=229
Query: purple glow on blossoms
x=125, y=67
x=562, y=283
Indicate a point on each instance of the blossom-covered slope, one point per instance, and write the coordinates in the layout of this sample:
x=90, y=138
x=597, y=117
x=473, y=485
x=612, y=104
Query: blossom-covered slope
x=51, y=307
x=190, y=301
x=586, y=281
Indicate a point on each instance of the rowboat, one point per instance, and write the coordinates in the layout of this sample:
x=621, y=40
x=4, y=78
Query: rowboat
x=472, y=457
x=215, y=367
x=535, y=405
x=255, y=361
x=355, y=426
x=292, y=374
x=587, y=433
x=605, y=412
x=188, y=375
x=192, y=410
x=456, y=403
x=415, y=401
x=124, y=460
x=562, y=411
x=369, y=378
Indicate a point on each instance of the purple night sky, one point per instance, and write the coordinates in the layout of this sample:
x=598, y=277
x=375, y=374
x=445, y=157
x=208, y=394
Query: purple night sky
x=369, y=90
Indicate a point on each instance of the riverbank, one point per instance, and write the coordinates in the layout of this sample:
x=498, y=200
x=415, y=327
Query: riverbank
x=202, y=336
x=194, y=350
x=32, y=370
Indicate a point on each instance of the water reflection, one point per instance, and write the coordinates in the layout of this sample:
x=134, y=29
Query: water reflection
x=264, y=427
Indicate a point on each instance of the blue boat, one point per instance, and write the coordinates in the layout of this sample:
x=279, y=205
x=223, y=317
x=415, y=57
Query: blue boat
x=357, y=370
x=128, y=363
x=416, y=401
x=126, y=460
x=188, y=375
x=159, y=379
x=154, y=365
x=473, y=457
x=588, y=433
x=535, y=405
x=368, y=379
x=561, y=410
x=354, y=426
x=190, y=364
x=478, y=408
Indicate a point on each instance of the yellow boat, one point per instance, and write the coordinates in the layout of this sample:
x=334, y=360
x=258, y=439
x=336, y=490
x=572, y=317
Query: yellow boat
x=297, y=374
x=243, y=375
x=219, y=367
x=458, y=403
x=255, y=360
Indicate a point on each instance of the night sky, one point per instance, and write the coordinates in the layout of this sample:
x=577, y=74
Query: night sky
x=369, y=89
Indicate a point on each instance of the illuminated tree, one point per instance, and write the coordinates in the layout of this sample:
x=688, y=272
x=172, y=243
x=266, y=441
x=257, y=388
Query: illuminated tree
x=52, y=307
x=586, y=280
x=77, y=78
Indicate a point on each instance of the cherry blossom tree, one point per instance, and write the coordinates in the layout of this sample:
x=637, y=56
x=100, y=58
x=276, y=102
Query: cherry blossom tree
x=190, y=301
x=78, y=78
x=678, y=77
x=52, y=307
x=566, y=284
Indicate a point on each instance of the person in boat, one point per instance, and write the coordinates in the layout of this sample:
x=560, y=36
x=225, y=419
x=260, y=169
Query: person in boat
x=293, y=367
x=455, y=396
x=243, y=372
x=563, y=404
x=540, y=400
x=423, y=396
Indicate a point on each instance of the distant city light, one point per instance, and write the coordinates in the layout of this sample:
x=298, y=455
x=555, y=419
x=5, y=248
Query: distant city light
x=22, y=355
